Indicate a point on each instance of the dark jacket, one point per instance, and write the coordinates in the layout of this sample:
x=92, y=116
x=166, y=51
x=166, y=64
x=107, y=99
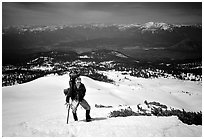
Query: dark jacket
x=78, y=93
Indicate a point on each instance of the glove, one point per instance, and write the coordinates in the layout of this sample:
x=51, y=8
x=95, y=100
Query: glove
x=68, y=103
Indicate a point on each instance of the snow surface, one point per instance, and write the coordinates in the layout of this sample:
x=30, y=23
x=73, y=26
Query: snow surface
x=37, y=108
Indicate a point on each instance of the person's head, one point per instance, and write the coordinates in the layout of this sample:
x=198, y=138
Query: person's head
x=78, y=80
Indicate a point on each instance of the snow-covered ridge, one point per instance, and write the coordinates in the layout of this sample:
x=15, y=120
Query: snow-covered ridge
x=149, y=26
x=41, y=110
x=119, y=54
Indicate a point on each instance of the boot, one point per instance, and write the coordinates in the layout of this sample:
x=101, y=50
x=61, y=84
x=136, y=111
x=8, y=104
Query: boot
x=88, y=117
x=75, y=116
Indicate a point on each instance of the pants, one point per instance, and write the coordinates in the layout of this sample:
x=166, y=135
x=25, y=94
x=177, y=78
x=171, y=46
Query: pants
x=83, y=103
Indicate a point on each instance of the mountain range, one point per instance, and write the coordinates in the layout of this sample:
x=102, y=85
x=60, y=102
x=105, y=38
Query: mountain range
x=149, y=41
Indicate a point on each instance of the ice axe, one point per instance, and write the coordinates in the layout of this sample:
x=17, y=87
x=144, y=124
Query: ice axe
x=68, y=113
x=67, y=94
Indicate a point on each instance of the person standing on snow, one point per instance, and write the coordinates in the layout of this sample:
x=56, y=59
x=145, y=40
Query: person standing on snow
x=77, y=97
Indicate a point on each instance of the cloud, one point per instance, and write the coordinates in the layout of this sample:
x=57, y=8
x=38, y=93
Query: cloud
x=105, y=12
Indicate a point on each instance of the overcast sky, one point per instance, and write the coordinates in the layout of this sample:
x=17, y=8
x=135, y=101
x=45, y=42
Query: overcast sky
x=51, y=13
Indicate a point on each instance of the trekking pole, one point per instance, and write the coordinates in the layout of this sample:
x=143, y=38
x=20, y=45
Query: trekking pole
x=68, y=113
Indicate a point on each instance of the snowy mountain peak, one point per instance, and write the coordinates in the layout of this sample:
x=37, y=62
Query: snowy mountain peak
x=149, y=24
x=157, y=25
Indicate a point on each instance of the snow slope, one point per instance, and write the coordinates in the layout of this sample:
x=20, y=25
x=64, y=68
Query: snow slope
x=37, y=108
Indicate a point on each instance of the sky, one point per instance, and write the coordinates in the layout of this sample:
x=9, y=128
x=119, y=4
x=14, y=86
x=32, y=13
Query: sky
x=60, y=13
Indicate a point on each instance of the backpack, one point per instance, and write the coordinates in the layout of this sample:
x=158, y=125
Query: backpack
x=73, y=75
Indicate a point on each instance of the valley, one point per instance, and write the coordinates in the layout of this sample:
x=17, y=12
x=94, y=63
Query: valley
x=92, y=63
x=162, y=40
